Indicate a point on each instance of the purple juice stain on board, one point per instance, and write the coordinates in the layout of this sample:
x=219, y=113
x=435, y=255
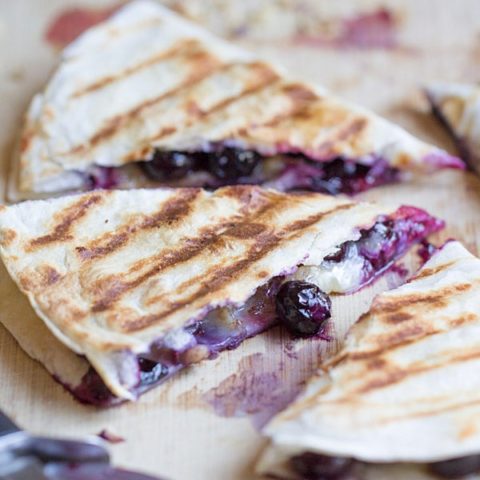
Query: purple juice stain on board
x=110, y=437
x=265, y=383
x=376, y=29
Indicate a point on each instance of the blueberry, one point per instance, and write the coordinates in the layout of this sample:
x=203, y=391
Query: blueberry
x=232, y=163
x=380, y=242
x=345, y=251
x=312, y=466
x=302, y=307
x=150, y=371
x=456, y=467
x=102, y=177
x=426, y=251
x=341, y=168
x=93, y=390
x=172, y=165
x=347, y=176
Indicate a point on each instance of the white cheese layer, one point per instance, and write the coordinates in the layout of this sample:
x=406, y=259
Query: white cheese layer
x=333, y=277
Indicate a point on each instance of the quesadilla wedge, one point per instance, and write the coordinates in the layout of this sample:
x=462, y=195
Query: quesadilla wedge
x=457, y=107
x=401, y=400
x=148, y=98
x=141, y=283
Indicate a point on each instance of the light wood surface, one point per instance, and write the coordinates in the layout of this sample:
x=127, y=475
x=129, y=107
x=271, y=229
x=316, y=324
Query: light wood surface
x=175, y=431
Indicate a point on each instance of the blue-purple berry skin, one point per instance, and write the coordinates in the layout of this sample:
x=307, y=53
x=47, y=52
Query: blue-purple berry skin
x=231, y=163
x=313, y=466
x=302, y=307
x=170, y=165
x=456, y=467
x=226, y=164
x=151, y=372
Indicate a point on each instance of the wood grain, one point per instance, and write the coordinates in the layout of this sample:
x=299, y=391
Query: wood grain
x=175, y=431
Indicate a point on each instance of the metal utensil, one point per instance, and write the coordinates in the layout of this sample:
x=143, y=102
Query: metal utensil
x=27, y=457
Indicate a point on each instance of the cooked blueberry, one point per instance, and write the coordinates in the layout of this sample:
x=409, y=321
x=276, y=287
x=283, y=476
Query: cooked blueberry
x=150, y=371
x=379, y=243
x=456, y=467
x=347, y=176
x=312, y=466
x=232, y=163
x=302, y=307
x=346, y=250
x=102, y=177
x=332, y=186
x=92, y=389
x=340, y=168
x=426, y=251
x=170, y=165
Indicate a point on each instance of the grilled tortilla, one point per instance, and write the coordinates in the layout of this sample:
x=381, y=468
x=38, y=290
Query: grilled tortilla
x=404, y=390
x=148, y=81
x=457, y=106
x=173, y=275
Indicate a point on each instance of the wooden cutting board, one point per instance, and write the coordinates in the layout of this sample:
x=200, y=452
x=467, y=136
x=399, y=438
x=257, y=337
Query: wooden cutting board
x=205, y=423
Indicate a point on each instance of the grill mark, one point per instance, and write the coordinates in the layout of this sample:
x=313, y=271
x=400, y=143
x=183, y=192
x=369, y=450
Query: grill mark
x=208, y=238
x=377, y=354
x=350, y=129
x=196, y=114
x=159, y=56
x=428, y=272
x=396, y=376
x=463, y=319
x=174, y=210
x=7, y=237
x=398, y=317
x=300, y=107
x=232, y=232
x=26, y=140
x=409, y=337
x=300, y=93
x=61, y=232
x=202, y=65
x=222, y=276
x=48, y=275
x=438, y=299
x=267, y=81
x=431, y=412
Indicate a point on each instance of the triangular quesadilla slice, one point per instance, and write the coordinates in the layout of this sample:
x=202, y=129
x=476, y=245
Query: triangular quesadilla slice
x=148, y=98
x=402, y=398
x=457, y=106
x=144, y=282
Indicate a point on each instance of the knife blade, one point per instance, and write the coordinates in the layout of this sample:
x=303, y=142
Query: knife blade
x=11, y=437
x=27, y=457
x=6, y=425
x=21, y=468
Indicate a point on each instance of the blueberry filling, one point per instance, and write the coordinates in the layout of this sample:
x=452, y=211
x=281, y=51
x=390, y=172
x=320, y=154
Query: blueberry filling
x=456, y=467
x=172, y=165
x=92, y=390
x=102, y=177
x=336, y=176
x=379, y=246
x=312, y=466
x=228, y=165
x=426, y=251
x=151, y=372
x=301, y=306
